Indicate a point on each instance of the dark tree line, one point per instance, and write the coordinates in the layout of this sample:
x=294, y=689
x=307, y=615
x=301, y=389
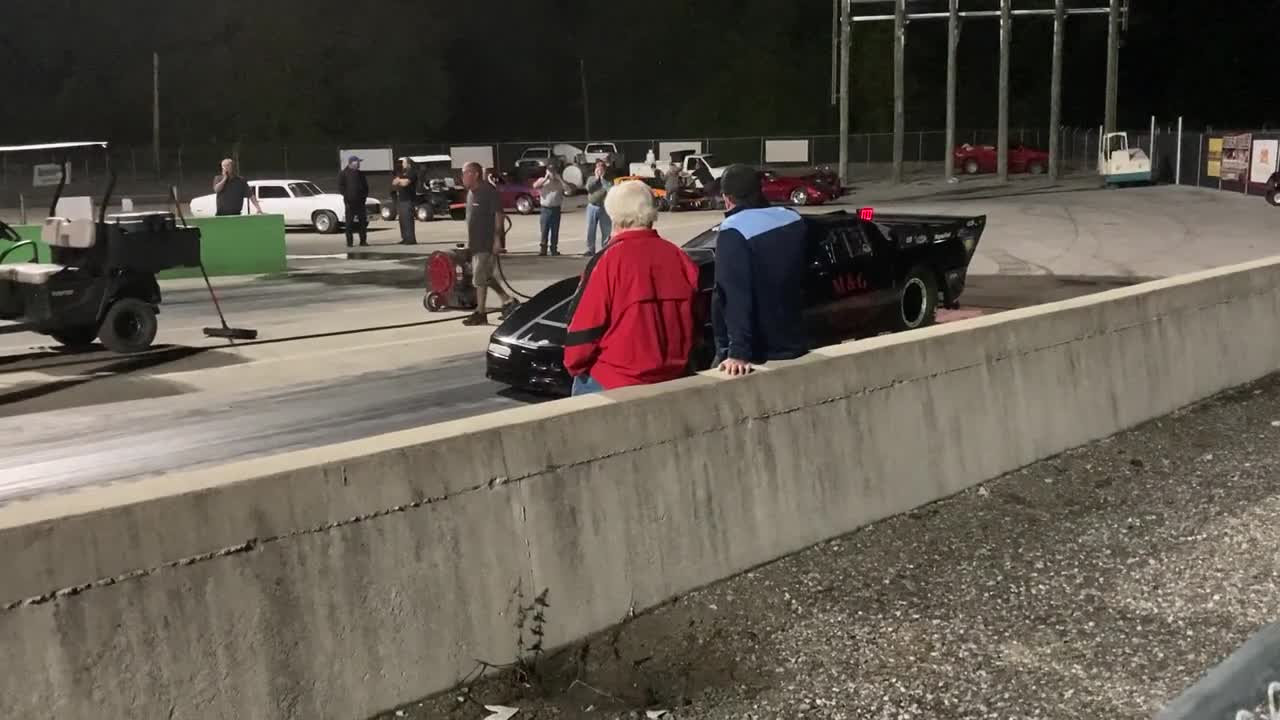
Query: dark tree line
x=416, y=70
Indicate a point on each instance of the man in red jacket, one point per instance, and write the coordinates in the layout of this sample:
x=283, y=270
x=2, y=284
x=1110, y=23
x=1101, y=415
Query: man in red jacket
x=632, y=321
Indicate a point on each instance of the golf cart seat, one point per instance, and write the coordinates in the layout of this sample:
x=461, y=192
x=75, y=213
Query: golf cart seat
x=56, y=233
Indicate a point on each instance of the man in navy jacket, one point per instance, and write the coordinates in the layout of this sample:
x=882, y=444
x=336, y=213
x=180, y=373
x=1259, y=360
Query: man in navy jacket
x=758, y=307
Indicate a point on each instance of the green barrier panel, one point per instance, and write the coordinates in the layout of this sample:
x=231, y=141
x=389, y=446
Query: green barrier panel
x=238, y=245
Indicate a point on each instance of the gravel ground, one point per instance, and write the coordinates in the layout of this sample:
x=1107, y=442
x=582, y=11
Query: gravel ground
x=1096, y=584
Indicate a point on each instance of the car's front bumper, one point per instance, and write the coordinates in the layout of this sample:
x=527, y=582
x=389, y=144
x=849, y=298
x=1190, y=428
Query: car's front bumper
x=539, y=370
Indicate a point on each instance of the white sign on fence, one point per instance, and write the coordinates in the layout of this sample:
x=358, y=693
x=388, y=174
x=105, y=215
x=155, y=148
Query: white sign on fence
x=47, y=175
x=665, y=149
x=463, y=154
x=1264, y=160
x=786, y=151
x=374, y=159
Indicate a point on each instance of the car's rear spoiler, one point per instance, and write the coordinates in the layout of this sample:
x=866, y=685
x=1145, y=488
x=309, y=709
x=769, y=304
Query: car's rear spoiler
x=911, y=230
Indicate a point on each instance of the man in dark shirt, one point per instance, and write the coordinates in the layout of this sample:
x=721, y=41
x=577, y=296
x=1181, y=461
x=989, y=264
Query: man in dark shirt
x=406, y=187
x=484, y=228
x=232, y=190
x=355, y=194
x=758, y=306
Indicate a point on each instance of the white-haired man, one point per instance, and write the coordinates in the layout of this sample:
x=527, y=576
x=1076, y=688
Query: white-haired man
x=632, y=319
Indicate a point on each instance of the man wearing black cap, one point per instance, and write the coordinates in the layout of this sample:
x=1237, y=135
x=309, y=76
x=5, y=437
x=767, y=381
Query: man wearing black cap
x=355, y=194
x=758, y=307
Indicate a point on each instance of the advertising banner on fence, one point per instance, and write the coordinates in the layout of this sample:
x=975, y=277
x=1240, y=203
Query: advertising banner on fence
x=1235, y=157
x=1214, y=167
x=375, y=159
x=48, y=175
x=1264, y=160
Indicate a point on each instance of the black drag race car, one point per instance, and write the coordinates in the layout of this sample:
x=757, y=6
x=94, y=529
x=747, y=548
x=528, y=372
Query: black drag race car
x=867, y=273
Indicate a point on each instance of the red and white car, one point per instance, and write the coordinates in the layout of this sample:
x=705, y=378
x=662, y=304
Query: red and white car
x=807, y=190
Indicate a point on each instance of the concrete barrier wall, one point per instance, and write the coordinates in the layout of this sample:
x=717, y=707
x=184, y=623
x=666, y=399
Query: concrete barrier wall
x=241, y=245
x=340, y=581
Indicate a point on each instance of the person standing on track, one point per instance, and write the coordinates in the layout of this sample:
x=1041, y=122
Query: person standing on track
x=551, y=188
x=758, y=304
x=232, y=190
x=354, y=188
x=671, y=183
x=406, y=187
x=597, y=188
x=484, y=231
x=632, y=319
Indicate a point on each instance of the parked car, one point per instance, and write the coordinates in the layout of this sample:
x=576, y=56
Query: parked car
x=795, y=190
x=519, y=197
x=606, y=151
x=866, y=272
x=301, y=202
x=974, y=159
x=1273, y=189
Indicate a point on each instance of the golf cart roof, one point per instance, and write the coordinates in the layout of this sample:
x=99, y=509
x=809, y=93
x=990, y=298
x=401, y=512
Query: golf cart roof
x=51, y=146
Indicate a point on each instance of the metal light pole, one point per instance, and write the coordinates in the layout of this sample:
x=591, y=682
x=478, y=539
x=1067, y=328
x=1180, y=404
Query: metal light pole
x=953, y=43
x=1002, y=122
x=899, y=86
x=846, y=43
x=586, y=107
x=1055, y=91
x=1113, y=65
x=155, y=110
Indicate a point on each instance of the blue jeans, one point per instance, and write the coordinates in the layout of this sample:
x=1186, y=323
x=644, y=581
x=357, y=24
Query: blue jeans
x=586, y=385
x=596, y=216
x=550, y=224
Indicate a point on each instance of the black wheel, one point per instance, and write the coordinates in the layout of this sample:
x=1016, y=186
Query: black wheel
x=917, y=304
x=433, y=302
x=129, y=326
x=971, y=166
x=325, y=221
x=524, y=205
x=424, y=212
x=799, y=197
x=80, y=336
x=1273, y=196
x=388, y=212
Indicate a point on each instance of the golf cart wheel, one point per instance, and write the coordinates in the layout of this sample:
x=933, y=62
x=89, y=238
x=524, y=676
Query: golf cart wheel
x=129, y=326
x=1035, y=168
x=799, y=197
x=434, y=302
x=971, y=166
x=524, y=205
x=78, y=336
x=388, y=212
x=1273, y=197
x=917, y=304
x=424, y=212
x=325, y=221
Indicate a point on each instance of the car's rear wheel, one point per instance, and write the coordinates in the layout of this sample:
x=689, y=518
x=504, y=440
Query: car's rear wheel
x=424, y=212
x=388, y=212
x=917, y=304
x=799, y=197
x=524, y=205
x=971, y=166
x=129, y=326
x=1273, y=196
x=325, y=221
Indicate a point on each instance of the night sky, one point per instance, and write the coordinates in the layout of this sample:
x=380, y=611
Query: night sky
x=424, y=70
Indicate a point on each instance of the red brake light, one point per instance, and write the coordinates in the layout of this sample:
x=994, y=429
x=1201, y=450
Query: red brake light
x=867, y=214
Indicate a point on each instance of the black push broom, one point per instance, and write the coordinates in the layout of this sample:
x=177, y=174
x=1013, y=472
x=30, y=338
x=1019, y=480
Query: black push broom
x=226, y=331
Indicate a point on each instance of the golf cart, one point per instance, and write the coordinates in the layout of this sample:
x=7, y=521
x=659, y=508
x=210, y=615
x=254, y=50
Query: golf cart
x=1119, y=164
x=100, y=279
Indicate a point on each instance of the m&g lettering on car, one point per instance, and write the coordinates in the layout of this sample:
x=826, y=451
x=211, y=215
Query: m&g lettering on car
x=850, y=283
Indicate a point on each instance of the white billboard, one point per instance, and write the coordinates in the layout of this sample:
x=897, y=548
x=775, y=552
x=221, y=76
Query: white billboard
x=1264, y=160
x=373, y=159
x=786, y=151
x=47, y=175
x=665, y=149
x=463, y=154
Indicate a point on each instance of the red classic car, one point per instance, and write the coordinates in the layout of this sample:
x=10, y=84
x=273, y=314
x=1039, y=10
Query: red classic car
x=518, y=196
x=974, y=159
x=808, y=190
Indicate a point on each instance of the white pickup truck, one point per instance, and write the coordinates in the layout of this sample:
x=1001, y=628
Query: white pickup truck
x=698, y=166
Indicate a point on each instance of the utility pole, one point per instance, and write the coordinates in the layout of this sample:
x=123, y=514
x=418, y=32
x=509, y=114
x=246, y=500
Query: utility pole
x=586, y=108
x=1113, y=65
x=899, y=86
x=155, y=110
x=953, y=43
x=835, y=52
x=1002, y=122
x=1055, y=91
x=846, y=43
